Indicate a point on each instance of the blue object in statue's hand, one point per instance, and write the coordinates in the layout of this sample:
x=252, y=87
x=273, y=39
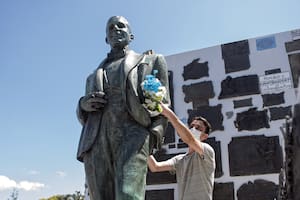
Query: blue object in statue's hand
x=151, y=83
x=154, y=93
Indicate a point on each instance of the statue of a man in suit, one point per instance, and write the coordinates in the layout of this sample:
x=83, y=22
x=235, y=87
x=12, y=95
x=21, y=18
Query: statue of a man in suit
x=118, y=132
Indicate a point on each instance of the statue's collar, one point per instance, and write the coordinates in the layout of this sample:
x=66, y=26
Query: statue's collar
x=115, y=54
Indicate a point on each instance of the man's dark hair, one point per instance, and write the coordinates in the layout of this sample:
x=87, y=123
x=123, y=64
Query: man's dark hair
x=206, y=123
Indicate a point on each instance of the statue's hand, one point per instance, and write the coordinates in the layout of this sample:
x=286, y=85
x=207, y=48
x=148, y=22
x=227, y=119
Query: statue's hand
x=93, y=102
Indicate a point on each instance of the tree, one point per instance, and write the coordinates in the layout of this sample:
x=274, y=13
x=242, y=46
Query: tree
x=76, y=196
x=14, y=195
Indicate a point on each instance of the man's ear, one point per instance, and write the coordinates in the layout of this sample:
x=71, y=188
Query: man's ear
x=204, y=136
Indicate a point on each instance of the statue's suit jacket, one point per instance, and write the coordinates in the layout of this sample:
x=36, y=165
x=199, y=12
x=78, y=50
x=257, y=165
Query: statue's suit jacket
x=135, y=68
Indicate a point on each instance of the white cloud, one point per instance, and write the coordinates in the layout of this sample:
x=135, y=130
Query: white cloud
x=6, y=183
x=61, y=173
x=26, y=185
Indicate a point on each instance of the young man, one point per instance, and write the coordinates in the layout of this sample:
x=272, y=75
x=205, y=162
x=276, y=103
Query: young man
x=195, y=169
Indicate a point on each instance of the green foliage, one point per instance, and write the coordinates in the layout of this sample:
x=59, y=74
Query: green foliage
x=14, y=195
x=76, y=196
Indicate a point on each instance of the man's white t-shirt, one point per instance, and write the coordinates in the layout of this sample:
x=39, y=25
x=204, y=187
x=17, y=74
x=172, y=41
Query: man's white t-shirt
x=195, y=174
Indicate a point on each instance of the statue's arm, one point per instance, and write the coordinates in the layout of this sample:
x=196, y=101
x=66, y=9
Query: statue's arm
x=81, y=113
x=159, y=123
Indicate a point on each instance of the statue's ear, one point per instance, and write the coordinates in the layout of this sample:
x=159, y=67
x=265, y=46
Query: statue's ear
x=106, y=40
x=131, y=37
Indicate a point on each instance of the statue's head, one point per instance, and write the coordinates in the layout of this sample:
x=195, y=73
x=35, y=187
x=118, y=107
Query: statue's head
x=118, y=32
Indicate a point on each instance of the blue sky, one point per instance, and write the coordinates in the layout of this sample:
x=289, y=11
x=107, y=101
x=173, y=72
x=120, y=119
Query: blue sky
x=48, y=47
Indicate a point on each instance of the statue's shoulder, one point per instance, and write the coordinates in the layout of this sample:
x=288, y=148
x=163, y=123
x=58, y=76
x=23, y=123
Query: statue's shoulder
x=149, y=52
x=152, y=54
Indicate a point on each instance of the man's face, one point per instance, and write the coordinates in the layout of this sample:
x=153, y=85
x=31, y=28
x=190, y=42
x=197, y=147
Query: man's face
x=200, y=126
x=118, y=33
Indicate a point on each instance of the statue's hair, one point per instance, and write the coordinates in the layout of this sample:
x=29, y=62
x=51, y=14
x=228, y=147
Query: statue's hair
x=120, y=17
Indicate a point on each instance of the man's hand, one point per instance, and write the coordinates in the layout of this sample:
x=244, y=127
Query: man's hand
x=166, y=111
x=93, y=102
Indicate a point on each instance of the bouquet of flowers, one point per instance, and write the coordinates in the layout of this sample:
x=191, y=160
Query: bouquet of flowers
x=154, y=93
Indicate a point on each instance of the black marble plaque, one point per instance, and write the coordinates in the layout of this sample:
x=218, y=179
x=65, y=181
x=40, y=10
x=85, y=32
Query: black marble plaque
x=161, y=177
x=236, y=63
x=165, y=194
x=257, y=154
x=223, y=191
x=240, y=86
x=252, y=120
x=169, y=134
x=273, y=99
x=171, y=88
x=258, y=190
x=213, y=114
x=294, y=60
x=292, y=46
x=296, y=151
x=273, y=71
x=198, y=91
x=235, y=48
x=216, y=145
x=242, y=103
x=195, y=70
x=280, y=112
x=182, y=145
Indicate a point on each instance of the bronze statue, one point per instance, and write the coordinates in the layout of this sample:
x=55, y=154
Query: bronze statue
x=118, y=132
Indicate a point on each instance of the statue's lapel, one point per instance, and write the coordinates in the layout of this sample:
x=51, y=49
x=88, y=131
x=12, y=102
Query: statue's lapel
x=131, y=61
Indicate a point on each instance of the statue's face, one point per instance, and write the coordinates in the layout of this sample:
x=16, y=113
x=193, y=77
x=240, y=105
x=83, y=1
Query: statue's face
x=118, y=33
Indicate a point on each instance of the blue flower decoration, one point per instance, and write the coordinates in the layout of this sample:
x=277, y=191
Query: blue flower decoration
x=151, y=83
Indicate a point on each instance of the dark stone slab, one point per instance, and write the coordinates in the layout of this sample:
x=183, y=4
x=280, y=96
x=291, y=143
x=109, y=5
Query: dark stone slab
x=216, y=145
x=257, y=154
x=160, y=177
x=252, y=120
x=273, y=71
x=242, y=103
x=240, y=86
x=236, y=63
x=169, y=134
x=223, y=191
x=235, y=48
x=198, y=91
x=296, y=151
x=212, y=113
x=171, y=88
x=292, y=46
x=182, y=145
x=273, y=99
x=258, y=190
x=200, y=102
x=294, y=60
x=166, y=194
x=195, y=70
x=280, y=112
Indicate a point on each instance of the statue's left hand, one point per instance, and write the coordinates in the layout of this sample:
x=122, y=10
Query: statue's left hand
x=93, y=102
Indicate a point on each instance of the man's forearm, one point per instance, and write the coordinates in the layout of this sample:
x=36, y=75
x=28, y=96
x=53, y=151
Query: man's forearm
x=180, y=127
x=184, y=133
